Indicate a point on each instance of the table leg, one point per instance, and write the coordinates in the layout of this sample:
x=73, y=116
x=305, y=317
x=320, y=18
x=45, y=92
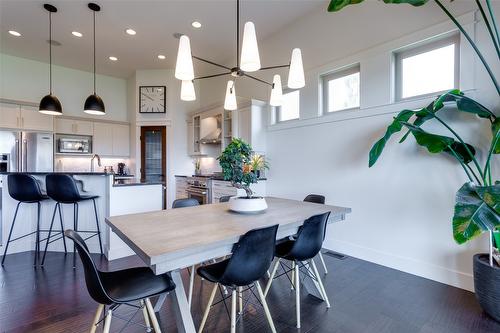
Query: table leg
x=183, y=316
x=311, y=285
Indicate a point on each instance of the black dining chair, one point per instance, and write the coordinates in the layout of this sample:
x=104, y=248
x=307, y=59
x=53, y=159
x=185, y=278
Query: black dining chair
x=225, y=198
x=25, y=189
x=182, y=203
x=301, y=251
x=319, y=199
x=250, y=260
x=122, y=287
x=63, y=190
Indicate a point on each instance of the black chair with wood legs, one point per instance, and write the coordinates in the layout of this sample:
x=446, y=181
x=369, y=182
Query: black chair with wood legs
x=225, y=198
x=319, y=199
x=63, y=190
x=250, y=259
x=182, y=203
x=25, y=189
x=300, y=252
x=127, y=286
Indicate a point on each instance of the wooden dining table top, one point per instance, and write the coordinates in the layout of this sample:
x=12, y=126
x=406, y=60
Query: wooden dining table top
x=159, y=235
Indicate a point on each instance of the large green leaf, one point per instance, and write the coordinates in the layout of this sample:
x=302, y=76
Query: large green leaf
x=433, y=142
x=495, y=128
x=461, y=151
x=393, y=128
x=476, y=211
x=336, y=5
x=464, y=104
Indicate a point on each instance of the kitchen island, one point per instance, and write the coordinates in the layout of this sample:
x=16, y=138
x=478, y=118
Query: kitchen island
x=114, y=199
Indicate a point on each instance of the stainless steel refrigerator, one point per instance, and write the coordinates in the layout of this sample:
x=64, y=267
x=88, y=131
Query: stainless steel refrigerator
x=27, y=151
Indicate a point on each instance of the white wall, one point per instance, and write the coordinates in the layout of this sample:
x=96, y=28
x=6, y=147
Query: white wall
x=28, y=81
x=402, y=207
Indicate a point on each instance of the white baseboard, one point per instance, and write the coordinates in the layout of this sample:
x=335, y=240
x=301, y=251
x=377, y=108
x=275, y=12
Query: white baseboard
x=433, y=272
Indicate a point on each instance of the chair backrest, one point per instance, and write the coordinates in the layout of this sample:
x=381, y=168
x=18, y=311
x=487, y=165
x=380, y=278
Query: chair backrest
x=24, y=188
x=92, y=279
x=315, y=198
x=310, y=237
x=225, y=198
x=62, y=188
x=180, y=203
x=251, y=257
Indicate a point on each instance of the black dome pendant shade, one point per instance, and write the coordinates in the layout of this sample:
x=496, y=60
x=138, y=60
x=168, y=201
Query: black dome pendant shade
x=94, y=104
x=50, y=104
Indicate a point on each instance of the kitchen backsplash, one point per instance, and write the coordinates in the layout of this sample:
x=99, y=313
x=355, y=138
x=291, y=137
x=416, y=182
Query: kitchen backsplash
x=81, y=163
x=209, y=165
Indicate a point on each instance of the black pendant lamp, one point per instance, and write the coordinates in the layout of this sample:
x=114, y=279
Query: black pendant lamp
x=50, y=104
x=94, y=104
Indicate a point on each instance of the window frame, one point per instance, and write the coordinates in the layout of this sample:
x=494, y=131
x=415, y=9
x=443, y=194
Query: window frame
x=277, y=109
x=336, y=74
x=420, y=48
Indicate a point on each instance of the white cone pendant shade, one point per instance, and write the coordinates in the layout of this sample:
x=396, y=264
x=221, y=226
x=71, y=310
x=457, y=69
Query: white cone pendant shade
x=187, y=91
x=184, y=66
x=296, y=74
x=250, y=59
x=230, y=101
x=276, y=92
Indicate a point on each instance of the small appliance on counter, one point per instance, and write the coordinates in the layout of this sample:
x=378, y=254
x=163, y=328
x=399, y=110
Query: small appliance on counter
x=122, y=176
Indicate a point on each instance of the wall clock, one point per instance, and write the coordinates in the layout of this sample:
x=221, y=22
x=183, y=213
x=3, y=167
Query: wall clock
x=152, y=99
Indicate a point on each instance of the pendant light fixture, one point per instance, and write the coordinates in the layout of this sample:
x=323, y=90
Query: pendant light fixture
x=50, y=104
x=187, y=91
x=94, y=104
x=246, y=62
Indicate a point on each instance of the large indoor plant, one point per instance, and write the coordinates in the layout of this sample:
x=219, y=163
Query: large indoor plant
x=477, y=206
x=235, y=162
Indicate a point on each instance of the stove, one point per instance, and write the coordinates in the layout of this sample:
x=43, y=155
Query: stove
x=199, y=189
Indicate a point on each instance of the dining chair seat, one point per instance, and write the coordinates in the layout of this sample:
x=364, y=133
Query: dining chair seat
x=213, y=272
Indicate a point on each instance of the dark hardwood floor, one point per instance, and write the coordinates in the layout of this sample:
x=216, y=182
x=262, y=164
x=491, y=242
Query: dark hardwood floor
x=365, y=298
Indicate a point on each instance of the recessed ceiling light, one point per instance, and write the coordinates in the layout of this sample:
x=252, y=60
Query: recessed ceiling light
x=196, y=24
x=130, y=32
x=76, y=34
x=113, y=58
x=161, y=56
x=14, y=33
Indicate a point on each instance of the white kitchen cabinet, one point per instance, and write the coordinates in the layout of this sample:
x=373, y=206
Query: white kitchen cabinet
x=103, y=139
x=72, y=126
x=249, y=124
x=10, y=115
x=190, y=138
x=121, y=140
x=31, y=119
x=181, y=187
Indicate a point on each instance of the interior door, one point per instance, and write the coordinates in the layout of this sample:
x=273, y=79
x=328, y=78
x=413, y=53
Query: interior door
x=153, y=153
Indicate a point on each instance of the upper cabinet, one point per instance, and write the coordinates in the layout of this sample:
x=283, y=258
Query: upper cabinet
x=111, y=139
x=22, y=117
x=121, y=140
x=71, y=126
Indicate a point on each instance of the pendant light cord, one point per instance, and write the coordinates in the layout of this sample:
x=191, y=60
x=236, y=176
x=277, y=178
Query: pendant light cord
x=238, y=33
x=50, y=52
x=94, y=52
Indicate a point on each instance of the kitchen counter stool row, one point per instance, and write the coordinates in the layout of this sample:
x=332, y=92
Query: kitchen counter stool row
x=61, y=188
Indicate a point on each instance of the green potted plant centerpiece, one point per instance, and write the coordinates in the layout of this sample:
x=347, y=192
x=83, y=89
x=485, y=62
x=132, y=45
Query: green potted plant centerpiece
x=235, y=162
x=477, y=202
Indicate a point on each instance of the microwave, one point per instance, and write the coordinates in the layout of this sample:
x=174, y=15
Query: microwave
x=74, y=144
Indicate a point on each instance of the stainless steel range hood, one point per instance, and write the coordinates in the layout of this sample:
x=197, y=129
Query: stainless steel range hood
x=213, y=137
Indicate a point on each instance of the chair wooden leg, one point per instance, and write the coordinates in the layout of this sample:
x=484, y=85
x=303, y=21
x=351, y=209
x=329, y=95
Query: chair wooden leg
x=266, y=308
x=97, y=316
x=207, y=309
x=323, y=262
x=107, y=321
x=191, y=285
x=240, y=300
x=233, y=311
x=152, y=314
x=297, y=293
x=293, y=275
x=320, y=283
x=146, y=316
x=273, y=273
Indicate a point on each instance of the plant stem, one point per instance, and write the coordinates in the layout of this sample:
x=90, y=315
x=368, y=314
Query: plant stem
x=463, y=165
x=493, y=20
x=472, y=171
x=479, y=54
x=488, y=159
x=487, y=22
x=462, y=142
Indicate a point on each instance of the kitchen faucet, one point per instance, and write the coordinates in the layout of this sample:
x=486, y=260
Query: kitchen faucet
x=92, y=162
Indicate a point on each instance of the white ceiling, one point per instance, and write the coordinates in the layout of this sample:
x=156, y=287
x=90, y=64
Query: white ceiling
x=155, y=23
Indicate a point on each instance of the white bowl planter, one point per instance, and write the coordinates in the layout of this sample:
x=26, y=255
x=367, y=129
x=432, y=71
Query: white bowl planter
x=247, y=205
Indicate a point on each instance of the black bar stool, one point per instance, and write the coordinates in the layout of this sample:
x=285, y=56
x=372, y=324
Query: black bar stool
x=63, y=190
x=25, y=189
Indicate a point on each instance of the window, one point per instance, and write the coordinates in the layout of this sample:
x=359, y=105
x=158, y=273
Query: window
x=341, y=89
x=289, y=108
x=427, y=69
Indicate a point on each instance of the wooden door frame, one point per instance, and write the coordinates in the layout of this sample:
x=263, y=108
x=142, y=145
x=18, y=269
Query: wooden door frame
x=163, y=130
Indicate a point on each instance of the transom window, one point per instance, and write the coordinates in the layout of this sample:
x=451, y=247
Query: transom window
x=341, y=89
x=427, y=69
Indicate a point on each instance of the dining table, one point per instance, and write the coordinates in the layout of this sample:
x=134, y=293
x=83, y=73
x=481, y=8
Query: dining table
x=173, y=239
